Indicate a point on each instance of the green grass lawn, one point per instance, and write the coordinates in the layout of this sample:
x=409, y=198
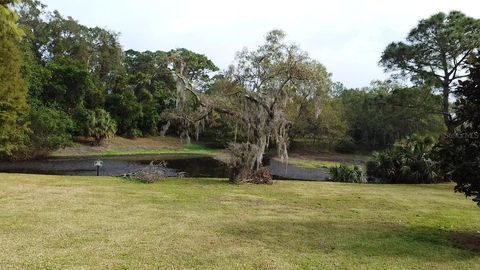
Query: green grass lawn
x=119, y=146
x=188, y=149
x=326, y=160
x=313, y=164
x=51, y=222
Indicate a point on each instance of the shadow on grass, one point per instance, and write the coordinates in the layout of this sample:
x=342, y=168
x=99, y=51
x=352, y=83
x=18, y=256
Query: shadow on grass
x=468, y=241
x=205, y=181
x=367, y=239
x=184, y=181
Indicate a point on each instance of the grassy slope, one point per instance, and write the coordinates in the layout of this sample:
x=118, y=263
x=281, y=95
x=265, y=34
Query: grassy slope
x=141, y=146
x=51, y=222
x=313, y=164
x=325, y=160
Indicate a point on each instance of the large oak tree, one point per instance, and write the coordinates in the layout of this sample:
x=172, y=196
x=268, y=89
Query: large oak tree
x=271, y=76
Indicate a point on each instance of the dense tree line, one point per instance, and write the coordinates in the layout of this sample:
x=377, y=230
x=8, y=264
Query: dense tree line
x=83, y=73
x=380, y=115
x=79, y=82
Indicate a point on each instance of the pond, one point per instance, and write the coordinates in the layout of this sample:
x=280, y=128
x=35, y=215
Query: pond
x=206, y=167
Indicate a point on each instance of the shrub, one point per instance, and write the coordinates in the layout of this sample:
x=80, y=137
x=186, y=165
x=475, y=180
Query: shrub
x=409, y=161
x=50, y=128
x=347, y=174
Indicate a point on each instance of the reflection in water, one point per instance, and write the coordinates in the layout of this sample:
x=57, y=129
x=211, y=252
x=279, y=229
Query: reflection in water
x=205, y=167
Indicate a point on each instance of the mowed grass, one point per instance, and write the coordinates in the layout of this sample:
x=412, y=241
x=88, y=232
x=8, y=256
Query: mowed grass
x=58, y=222
x=325, y=160
x=187, y=149
x=313, y=164
x=119, y=146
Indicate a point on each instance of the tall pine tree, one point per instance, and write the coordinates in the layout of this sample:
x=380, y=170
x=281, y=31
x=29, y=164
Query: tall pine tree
x=13, y=101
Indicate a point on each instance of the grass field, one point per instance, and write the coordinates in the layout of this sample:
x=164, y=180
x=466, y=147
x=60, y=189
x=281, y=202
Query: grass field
x=325, y=160
x=313, y=164
x=51, y=222
x=119, y=146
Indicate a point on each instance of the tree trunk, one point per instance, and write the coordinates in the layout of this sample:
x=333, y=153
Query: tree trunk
x=165, y=128
x=447, y=117
x=247, y=166
x=235, y=134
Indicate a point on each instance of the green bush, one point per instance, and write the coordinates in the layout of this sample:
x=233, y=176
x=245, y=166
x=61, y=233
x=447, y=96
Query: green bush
x=410, y=161
x=347, y=174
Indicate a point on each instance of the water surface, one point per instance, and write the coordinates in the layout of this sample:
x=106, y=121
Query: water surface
x=191, y=166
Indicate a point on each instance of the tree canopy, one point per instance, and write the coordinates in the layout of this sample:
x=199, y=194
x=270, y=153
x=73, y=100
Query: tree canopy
x=13, y=102
x=436, y=53
x=386, y=112
x=269, y=78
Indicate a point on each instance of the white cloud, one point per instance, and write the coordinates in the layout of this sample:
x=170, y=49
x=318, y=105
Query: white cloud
x=348, y=36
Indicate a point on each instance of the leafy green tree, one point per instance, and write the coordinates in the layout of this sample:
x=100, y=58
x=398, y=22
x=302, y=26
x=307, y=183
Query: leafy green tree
x=413, y=111
x=51, y=129
x=460, y=151
x=32, y=15
x=52, y=38
x=70, y=86
x=323, y=131
x=13, y=101
x=77, y=69
x=317, y=116
x=67, y=39
x=35, y=74
x=384, y=113
x=436, y=53
x=151, y=82
x=105, y=61
x=127, y=112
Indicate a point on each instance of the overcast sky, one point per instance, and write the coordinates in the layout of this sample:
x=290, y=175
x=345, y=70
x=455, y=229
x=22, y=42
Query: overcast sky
x=347, y=36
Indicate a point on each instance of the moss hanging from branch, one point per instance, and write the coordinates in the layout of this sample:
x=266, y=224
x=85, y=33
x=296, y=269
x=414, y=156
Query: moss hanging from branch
x=191, y=73
x=271, y=77
x=256, y=91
